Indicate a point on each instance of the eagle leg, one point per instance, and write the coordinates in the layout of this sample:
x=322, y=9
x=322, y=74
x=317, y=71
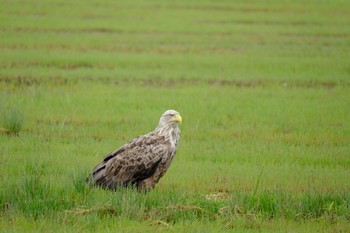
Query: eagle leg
x=146, y=185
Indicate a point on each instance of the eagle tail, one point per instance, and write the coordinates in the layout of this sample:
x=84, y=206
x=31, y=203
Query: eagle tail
x=97, y=178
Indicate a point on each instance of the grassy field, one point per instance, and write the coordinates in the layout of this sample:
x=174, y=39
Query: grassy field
x=263, y=88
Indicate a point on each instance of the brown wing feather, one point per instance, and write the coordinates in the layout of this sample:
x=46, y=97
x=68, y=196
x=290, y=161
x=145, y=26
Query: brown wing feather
x=135, y=161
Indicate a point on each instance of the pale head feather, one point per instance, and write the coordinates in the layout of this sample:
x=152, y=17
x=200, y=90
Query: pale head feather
x=169, y=126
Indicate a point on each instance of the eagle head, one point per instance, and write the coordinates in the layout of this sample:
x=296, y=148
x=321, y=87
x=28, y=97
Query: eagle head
x=171, y=117
x=169, y=124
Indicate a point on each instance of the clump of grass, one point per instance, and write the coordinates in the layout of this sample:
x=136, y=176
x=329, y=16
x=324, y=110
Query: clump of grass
x=178, y=212
x=12, y=121
x=102, y=210
x=274, y=204
x=80, y=186
x=36, y=198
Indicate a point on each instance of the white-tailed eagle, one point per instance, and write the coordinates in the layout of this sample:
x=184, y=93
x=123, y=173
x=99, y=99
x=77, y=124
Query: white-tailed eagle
x=142, y=161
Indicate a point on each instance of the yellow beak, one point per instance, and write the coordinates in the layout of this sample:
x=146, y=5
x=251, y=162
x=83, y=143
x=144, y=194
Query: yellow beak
x=178, y=118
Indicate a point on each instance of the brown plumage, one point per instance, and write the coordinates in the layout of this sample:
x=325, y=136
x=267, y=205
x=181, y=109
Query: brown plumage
x=142, y=161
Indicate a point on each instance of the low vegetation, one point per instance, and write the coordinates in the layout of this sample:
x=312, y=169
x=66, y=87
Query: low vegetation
x=12, y=121
x=263, y=90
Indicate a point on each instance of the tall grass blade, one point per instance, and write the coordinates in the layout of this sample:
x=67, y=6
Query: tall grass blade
x=12, y=121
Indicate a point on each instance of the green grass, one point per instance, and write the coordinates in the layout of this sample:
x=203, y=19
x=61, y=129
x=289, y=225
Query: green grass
x=12, y=121
x=263, y=89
